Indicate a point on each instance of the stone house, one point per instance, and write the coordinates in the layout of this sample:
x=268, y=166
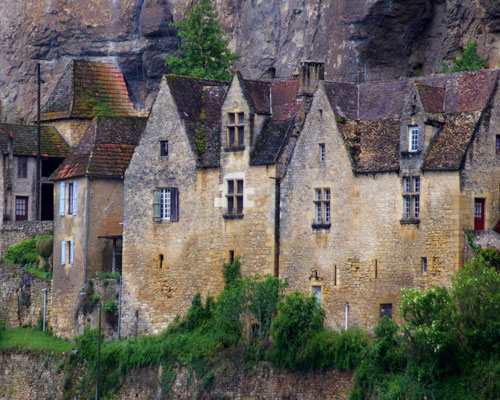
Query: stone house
x=202, y=188
x=18, y=146
x=385, y=181
x=351, y=192
x=88, y=212
x=86, y=89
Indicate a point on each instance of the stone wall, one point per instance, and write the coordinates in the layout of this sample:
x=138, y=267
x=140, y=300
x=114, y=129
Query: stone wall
x=15, y=232
x=21, y=296
x=37, y=376
x=194, y=248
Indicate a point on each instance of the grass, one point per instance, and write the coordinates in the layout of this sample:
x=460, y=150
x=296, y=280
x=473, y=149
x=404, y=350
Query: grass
x=32, y=339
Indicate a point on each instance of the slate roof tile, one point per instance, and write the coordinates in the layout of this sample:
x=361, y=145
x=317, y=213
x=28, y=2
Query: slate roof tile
x=25, y=141
x=432, y=98
x=87, y=89
x=106, y=148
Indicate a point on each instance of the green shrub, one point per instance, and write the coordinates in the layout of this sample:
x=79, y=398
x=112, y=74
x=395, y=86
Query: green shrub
x=106, y=275
x=468, y=61
x=44, y=246
x=231, y=272
x=110, y=307
x=299, y=319
x=24, y=253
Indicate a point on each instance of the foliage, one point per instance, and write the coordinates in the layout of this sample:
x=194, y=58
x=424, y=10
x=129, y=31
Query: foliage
x=107, y=275
x=110, y=307
x=450, y=342
x=32, y=339
x=24, y=253
x=203, y=49
x=44, y=246
x=231, y=272
x=200, y=142
x=468, y=61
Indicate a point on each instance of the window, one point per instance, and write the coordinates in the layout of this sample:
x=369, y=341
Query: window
x=424, y=265
x=497, y=144
x=322, y=152
x=166, y=205
x=62, y=192
x=21, y=208
x=231, y=256
x=322, y=212
x=411, y=197
x=235, y=196
x=375, y=269
x=70, y=198
x=22, y=167
x=67, y=252
x=164, y=148
x=413, y=138
x=316, y=291
x=478, y=214
x=160, y=261
x=335, y=275
x=386, y=309
x=235, y=129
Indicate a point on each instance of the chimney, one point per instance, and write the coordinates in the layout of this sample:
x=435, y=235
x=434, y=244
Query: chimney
x=310, y=73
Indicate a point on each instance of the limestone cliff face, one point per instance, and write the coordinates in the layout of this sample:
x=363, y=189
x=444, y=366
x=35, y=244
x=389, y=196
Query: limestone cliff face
x=357, y=39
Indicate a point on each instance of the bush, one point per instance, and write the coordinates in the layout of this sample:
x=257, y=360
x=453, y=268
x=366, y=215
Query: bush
x=468, y=61
x=299, y=319
x=44, y=246
x=24, y=253
x=110, y=307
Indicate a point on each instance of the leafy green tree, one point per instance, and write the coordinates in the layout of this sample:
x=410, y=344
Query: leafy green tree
x=469, y=61
x=203, y=50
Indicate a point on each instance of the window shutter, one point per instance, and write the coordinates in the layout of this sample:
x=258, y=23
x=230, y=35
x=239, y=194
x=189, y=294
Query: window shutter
x=174, y=212
x=62, y=190
x=63, y=253
x=156, y=206
x=71, y=252
x=75, y=197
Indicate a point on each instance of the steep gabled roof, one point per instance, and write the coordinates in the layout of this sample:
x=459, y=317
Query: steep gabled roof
x=371, y=129
x=448, y=148
x=105, y=150
x=24, y=139
x=87, y=89
x=199, y=102
x=373, y=145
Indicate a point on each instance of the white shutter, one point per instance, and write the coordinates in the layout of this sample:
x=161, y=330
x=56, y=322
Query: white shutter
x=75, y=198
x=62, y=191
x=63, y=253
x=71, y=252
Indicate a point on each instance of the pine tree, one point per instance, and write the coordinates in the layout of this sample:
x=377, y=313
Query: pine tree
x=203, y=50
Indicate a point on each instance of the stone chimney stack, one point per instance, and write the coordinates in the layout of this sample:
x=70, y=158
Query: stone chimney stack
x=310, y=73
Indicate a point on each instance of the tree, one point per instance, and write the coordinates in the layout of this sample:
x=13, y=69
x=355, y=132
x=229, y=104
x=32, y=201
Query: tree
x=469, y=61
x=203, y=50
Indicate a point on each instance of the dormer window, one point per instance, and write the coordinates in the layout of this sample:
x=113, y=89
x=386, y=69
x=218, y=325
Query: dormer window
x=235, y=129
x=413, y=138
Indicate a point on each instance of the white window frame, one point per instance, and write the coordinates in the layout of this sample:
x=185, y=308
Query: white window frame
x=411, y=197
x=165, y=204
x=322, y=206
x=413, y=136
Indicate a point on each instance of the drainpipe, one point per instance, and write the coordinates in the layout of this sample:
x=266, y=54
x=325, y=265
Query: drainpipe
x=44, y=290
x=277, y=211
x=86, y=239
x=346, y=316
x=119, y=308
x=113, y=263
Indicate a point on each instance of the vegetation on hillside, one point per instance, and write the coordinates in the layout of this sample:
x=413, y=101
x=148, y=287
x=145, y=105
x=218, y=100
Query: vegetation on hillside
x=448, y=346
x=468, y=61
x=203, y=51
x=26, y=253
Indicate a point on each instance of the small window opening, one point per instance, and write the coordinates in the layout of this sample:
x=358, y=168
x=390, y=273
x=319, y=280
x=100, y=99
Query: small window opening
x=164, y=148
x=317, y=294
x=386, y=309
x=375, y=268
x=231, y=256
x=160, y=261
x=322, y=152
x=424, y=265
x=335, y=275
x=497, y=144
x=320, y=114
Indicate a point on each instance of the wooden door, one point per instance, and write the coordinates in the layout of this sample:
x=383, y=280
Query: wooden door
x=478, y=214
x=21, y=208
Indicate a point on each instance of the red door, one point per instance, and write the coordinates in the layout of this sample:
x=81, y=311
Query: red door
x=21, y=208
x=478, y=214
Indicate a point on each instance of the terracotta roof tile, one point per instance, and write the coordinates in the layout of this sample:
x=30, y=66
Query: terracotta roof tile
x=25, y=140
x=87, y=89
x=432, y=98
x=105, y=149
x=259, y=92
